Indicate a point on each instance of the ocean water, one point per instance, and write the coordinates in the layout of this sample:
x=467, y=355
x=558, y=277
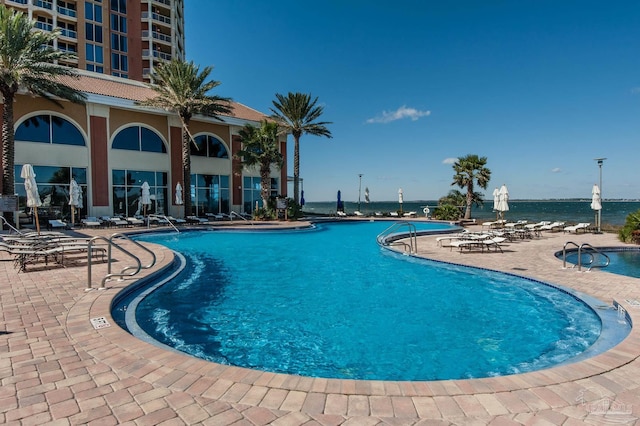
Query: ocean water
x=613, y=212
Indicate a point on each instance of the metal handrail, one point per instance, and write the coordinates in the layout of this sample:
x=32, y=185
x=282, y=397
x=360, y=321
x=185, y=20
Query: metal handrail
x=163, y=217
x=564, y=253
x=9, y=225
x=413, y=240
x=111, y=243
x=593, y=249
x=238, y=215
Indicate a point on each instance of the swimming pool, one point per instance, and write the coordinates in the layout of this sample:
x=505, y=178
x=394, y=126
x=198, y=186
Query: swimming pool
x=623, y=260
x=331, y=303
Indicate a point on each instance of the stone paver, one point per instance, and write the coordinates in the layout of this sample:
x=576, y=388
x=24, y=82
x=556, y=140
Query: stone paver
x=56, y=368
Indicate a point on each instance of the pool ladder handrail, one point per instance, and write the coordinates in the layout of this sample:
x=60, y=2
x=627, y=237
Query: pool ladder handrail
x=162, y=217
x=590, y=253
x=110, y=244
x=412, y=246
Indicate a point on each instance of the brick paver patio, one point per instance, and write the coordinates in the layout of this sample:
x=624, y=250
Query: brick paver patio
x=56, y=368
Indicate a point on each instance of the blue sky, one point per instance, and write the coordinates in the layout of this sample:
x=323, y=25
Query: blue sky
x=540, y=88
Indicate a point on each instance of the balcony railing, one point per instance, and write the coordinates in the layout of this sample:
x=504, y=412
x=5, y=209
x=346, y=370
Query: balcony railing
x=43, y=4
x=69, y=33
x=44, y=26
x=157, y=17
x=66, y=11
x=158, y=36
x=167, y=2
x=156, y=54
x=17, y=1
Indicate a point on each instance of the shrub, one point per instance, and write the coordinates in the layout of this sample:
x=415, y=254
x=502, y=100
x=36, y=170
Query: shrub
x=631, y=224
x=446, y=212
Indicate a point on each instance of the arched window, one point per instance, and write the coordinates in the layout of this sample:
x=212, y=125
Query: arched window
x=209, y=146
x=52, y=129
x=138, y=138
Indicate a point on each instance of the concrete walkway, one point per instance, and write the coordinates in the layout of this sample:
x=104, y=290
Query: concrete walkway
x=57, y=368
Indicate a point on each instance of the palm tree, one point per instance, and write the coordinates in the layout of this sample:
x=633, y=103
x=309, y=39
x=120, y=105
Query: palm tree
x=469, y=170
x=28, y=62
x=182, y=89
x=296, y=114
x=260, y=148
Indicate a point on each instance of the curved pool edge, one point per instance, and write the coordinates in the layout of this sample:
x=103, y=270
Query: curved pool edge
x=178, y=372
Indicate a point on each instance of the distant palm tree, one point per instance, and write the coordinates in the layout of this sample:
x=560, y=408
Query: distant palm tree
x=28, y=62
x=469, y=170
x=296, y=114
x=182, y=89
x=260, y=148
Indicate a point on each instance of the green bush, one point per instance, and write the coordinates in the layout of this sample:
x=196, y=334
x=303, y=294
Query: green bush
x=631, y=224
x=446, y=212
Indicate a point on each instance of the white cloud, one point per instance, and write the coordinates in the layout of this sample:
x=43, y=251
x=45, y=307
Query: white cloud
x=556, y=170
x=399, y=114
x=449, y=160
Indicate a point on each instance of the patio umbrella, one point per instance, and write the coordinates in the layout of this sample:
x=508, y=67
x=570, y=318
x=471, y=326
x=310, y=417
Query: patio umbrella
x=145, y=196
x=179, y=200
x=30, y=186
x=496, y=200
x=339, y=206
x=302, y=198
x=503, y=200
x=366, y=195
x=74, y=199
x=596, y=202
x=400, y=198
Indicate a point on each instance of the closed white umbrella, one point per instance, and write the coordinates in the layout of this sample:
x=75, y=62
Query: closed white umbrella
x=503, y=200
x=179, y=200
x=400, y=198
x=596, y=202
x=145, y=196
x=366, y=195
x=74, y=199
x=30, y=186
x=496, y=200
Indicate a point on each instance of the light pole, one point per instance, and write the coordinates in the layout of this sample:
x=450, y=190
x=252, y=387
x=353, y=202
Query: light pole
x=600, y=161
x=359, y=190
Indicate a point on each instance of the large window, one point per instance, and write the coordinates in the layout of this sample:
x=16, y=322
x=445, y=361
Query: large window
x=138, y=138
x=127, y=192
x=119, y=39
x=251, y=196
x=53, y=188
x=210, y=194
x=93, y=33
x=208, y=146
x=49, y=129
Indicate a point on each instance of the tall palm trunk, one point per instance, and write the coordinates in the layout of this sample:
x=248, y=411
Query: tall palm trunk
x=296, y=168
x=8, y=150
x=467, y=213
x=186, y=169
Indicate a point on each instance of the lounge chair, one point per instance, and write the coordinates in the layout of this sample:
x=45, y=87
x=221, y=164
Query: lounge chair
x=57, y=224
x=176, y=221
x=357, y=213
x=494, y=242
x=114, y=221
x=134, y=221
x=196, y=220
x=341, y=214
x=394, y=214
x=410, y=214
x=91, y=222
x=552, y=226
x=584, y=226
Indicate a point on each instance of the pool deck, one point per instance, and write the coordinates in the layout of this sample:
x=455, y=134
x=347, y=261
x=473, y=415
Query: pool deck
x=57, y=368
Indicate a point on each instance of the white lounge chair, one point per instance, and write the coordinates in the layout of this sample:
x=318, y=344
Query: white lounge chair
x=410, y=214
x=584, y=226
x=91, y=222
x=393, y=214
x=134, y=221
x=196, y=220
x=357, y=213
x=57, y=224
x=552, y=226
x=341, y=214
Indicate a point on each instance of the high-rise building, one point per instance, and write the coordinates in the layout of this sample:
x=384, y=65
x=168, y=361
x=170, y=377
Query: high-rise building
x=124, y=38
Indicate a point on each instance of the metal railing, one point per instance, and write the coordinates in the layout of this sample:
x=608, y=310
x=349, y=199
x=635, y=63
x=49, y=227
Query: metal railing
x=156, y=216
x=9, y=225
x=586, y=249
x=110, y=245
x=411, y=246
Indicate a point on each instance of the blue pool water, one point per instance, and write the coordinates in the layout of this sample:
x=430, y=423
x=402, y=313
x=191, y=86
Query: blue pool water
x=331, y=303
x=623, y=261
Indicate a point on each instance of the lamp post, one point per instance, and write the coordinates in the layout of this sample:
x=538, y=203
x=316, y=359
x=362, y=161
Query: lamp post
x=600, y=161
x=359, y=190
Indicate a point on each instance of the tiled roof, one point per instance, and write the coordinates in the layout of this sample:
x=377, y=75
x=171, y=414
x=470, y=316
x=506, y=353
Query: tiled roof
x=137, y=91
